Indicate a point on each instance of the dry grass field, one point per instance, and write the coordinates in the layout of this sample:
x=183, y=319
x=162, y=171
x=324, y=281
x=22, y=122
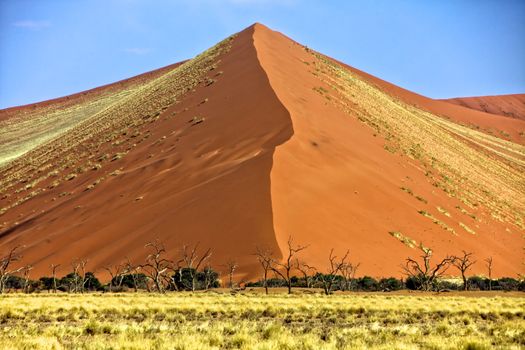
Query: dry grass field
x=255, y=321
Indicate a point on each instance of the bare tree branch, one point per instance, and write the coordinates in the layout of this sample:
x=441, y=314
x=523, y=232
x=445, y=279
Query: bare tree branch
x=334, y=267
x=425, y=274
x=463, y=263
x=265, y=258
x=156, y=266
x=488, y=263
x=192, y=261
x=287, y=265
x=5, y=266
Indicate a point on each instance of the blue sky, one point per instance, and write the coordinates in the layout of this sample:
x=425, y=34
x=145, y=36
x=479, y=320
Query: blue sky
x=439, y=48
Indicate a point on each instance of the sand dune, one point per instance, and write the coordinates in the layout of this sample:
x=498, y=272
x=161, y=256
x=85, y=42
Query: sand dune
x=512, y=106
x=255, y=140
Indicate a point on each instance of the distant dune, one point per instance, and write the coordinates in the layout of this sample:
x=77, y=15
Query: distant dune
x=257, y=139
x=512, y=106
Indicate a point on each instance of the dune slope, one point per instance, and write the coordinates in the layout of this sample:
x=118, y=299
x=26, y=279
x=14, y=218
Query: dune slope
x=512, y=106
x=196, y=171
x=337, y=184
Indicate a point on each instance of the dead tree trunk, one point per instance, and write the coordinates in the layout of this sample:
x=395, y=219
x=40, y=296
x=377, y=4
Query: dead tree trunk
x=54, y=276
x=306, y=270
x=156, y=265
x=425, y=274
x=231, y=266
x=27, y=269
x=334, y=267
x=265, y=258
x=5, y=266
x=193, y=261
x=287, y=265
x=463, y=263
x=488, y=262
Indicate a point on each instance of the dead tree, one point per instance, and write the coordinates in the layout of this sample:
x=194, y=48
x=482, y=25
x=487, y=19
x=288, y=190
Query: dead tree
x=26, y=269
x=5, y=266
x=209, y=276
x=83, y=279
x=307, y=271
x=192, y=261
x=74, y=284
x=334, y=267
x=488, y=263
x=348, y=272
x=79, y=275
x=424, y=274
x=463, y=263
x=54, y=276
x=283, y=269
x=231, y=265
x=131, y=270
x=157, y=265
x=265, y=258
x=116, y=274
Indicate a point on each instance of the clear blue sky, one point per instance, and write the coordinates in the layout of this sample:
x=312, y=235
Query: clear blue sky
x=439, y=48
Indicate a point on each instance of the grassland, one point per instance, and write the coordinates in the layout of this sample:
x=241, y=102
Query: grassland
x=255, y=321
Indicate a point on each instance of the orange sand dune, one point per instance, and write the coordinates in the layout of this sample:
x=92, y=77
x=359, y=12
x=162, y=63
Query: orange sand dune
x=512, y=106
x=497, y=125
x=266, y=140
x=69, y=100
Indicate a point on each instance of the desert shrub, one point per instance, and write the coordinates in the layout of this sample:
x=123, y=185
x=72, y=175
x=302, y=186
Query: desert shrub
x=91, y=282
x=413, y=283
x=69, y=282
x=128, y=281
x=18, y=283
x=367, y=283
x=318, y=279
x=391, y=283
x=46, y=283
x=276, y=282
x=14, y=282
x=208, y=278
x=478, y=283
x=446, y=285
x=506, y=283
x=296, y=281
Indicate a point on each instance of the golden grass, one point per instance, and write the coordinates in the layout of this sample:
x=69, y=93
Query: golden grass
x=255, y=321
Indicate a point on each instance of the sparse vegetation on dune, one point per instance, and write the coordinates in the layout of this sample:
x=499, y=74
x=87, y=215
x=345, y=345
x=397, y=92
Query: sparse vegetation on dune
x=49, y=137
x=255, y=321
x=476, y=168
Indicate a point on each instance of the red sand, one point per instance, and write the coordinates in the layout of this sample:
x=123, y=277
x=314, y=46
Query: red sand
x=271, y=159
x=512, y=106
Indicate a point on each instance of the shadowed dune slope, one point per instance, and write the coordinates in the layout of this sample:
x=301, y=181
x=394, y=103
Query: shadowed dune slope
x=512, y=106
x=254, y=140
x=201, y=176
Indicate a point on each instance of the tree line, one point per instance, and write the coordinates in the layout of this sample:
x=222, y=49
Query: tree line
x=192, y=271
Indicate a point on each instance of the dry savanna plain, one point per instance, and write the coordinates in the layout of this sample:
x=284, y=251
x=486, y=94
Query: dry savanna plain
x=252, y=320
